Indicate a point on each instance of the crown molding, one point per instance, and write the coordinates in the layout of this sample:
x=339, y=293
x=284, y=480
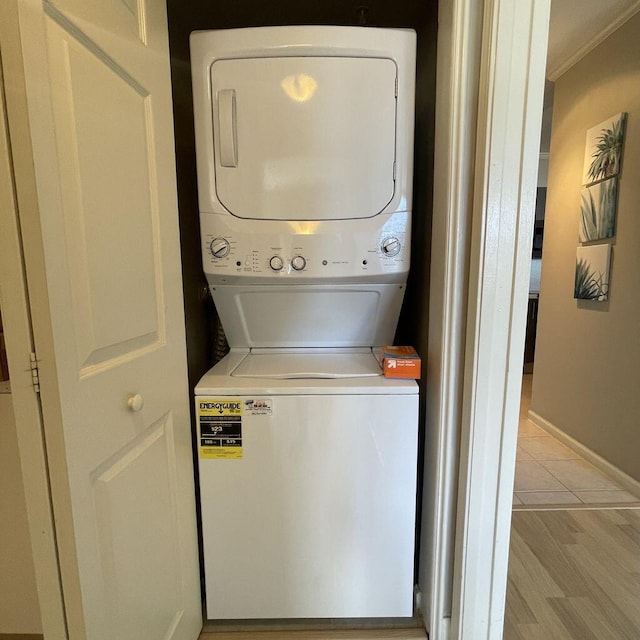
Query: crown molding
x=602, y=35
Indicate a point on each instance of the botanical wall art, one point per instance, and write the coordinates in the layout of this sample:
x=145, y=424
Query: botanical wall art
x=598, y=207
x=603, y=151
x=598, y=211
x=592, y=272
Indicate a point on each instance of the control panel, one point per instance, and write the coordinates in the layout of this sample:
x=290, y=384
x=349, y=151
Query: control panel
x=330, y=249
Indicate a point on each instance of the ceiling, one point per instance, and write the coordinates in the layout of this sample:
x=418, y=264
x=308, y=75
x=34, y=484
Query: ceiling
x=578, y=25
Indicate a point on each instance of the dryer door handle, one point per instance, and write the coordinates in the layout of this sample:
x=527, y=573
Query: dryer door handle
x=227, y=128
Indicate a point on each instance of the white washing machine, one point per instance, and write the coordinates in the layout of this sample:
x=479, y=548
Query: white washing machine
x=307, y=455
x=316, y=518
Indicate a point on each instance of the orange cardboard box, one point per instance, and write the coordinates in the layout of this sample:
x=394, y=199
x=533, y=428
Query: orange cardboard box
x=400, y=362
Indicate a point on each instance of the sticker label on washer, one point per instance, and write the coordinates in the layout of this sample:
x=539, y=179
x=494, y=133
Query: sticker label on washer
x=259, y=406
x=220, y=428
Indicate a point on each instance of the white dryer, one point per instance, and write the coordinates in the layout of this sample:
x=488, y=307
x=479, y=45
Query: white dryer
x=307, y=455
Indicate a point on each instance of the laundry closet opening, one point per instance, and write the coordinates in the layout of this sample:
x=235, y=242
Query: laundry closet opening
x=185, y=17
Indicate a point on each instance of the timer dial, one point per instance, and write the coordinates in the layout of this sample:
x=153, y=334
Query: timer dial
x=220, y=247
x=390, y=246
x=298, y=263
x=276, y=263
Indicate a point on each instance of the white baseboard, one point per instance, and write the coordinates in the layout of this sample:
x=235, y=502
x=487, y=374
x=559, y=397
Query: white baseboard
x=625, y=481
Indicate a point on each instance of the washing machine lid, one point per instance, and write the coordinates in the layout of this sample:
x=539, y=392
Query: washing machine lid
x=304, y=138
x=288, y=364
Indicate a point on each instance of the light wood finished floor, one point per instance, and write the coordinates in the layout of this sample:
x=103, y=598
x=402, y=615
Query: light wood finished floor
x=574, y=575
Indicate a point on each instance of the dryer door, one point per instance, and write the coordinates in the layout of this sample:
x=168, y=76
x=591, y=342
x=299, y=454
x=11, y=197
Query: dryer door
x=304, y=138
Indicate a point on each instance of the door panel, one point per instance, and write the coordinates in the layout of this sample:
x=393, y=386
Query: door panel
x=129, y=563
x=103, y=117
x=304, y=138
x=100, y=232
x=125, y=18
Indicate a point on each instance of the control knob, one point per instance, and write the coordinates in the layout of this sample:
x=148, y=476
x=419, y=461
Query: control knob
x=276, y=263
x=298, y=263
x=390, y=246
x=220, y=247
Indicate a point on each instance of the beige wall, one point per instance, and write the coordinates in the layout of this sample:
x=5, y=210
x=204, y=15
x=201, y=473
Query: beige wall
x=587, y=363
x=19, y=611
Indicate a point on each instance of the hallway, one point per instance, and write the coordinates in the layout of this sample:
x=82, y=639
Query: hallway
x=551, y=475
x=574, y=564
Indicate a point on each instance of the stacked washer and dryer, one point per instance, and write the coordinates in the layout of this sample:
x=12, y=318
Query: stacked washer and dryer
x=307, y=454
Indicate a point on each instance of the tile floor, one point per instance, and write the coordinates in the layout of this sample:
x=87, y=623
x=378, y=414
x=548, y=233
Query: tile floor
x=549, y=474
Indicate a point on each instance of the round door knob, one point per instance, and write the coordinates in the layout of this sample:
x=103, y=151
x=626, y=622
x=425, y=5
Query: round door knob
x=298, y=263
x=135, y=402
x=220, y=247
x=276, y=263
x=390, y=246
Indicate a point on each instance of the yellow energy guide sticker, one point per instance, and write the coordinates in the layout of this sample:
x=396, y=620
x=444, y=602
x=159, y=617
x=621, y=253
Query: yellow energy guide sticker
x=220, y=427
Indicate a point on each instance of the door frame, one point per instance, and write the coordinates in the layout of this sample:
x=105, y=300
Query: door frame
x=19, y=342
x=457, y=84
x=484, y=200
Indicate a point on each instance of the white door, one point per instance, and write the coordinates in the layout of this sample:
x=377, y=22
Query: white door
x=316, y=135
x=89, y=106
